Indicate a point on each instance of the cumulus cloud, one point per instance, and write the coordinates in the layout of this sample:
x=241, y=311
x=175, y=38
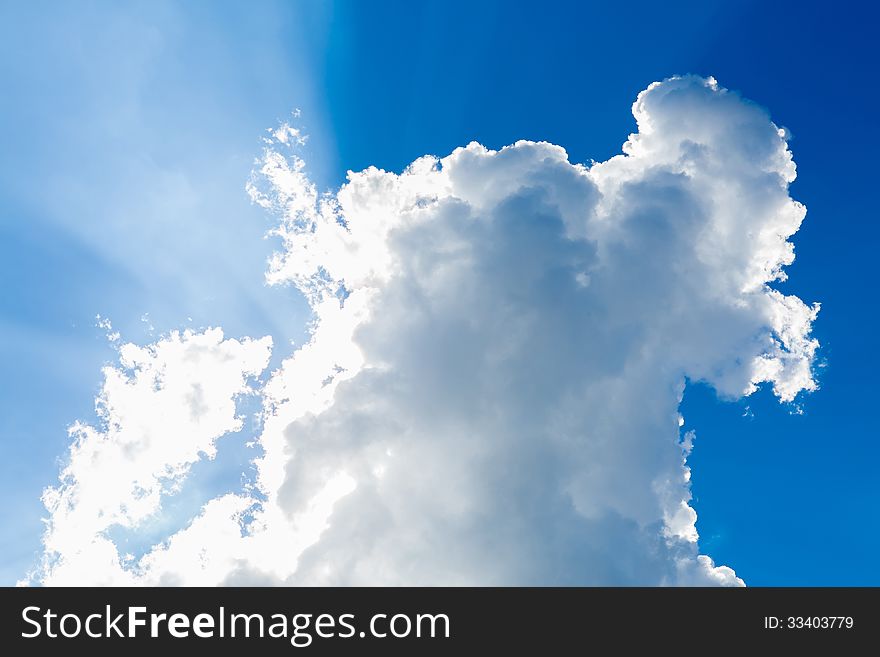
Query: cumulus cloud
x=161, y=410
x=501, y=342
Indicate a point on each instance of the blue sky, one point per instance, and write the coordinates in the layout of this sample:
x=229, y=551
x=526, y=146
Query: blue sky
x=129, y=132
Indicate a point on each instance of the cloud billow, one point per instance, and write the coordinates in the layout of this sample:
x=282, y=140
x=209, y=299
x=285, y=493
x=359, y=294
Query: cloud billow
x=500, y=347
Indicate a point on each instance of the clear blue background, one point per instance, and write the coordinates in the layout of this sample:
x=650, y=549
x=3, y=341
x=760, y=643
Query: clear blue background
x=127, y=134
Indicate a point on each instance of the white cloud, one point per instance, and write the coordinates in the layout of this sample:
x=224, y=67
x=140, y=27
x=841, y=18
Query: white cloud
x=161, y=411
x=501, y=344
